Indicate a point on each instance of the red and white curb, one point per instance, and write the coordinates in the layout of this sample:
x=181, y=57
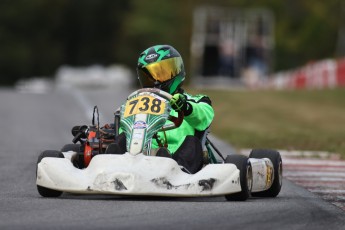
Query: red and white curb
x=319, y=172
x=325, y=178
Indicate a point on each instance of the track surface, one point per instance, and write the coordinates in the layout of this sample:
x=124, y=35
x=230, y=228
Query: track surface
x=31, y=123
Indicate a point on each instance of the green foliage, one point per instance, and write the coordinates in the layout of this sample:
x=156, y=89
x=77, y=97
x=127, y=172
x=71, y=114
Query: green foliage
x=156, y=22
x=305, y=31
x=38, y=36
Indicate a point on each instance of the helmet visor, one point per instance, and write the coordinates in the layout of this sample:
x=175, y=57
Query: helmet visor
x=159, y=72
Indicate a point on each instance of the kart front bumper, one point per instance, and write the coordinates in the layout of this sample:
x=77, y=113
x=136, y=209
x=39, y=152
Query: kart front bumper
x=137, y=175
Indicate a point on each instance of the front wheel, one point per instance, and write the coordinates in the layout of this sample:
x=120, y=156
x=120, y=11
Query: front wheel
x=43, y=191
x=276, y=160
x=246, y=177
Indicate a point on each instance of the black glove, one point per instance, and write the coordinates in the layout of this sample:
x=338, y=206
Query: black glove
x=179, y=103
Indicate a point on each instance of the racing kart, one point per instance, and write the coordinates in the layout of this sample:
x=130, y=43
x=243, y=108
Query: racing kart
x=90, y=167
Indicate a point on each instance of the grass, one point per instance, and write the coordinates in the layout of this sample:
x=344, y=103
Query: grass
x=293, y=120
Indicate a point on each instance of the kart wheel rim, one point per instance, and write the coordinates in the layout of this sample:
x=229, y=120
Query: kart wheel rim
x=249, y=177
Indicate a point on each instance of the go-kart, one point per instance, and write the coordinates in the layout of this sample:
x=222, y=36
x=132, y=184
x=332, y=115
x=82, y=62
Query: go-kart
x=91, y=168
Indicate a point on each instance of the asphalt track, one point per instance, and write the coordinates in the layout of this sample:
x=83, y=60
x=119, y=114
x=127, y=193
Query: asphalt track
x=31, y=123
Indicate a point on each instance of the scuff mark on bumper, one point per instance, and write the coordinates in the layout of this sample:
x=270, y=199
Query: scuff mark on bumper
x=119, y=186
x=207, y=184
x=164, y=183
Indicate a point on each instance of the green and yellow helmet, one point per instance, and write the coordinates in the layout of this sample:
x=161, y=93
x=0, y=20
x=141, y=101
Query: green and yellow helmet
x=161, y=66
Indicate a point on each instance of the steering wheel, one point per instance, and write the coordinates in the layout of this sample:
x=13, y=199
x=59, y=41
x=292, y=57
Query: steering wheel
x=176, y=121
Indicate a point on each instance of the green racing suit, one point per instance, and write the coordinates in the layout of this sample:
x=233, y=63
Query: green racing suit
x=196, y=121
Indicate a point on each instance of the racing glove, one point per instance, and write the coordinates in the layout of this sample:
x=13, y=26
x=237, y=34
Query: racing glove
x=179, y=103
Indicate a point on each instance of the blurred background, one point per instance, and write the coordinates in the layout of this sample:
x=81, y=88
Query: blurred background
x=219, y=40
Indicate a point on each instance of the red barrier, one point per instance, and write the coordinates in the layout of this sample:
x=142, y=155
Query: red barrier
x=300, y=80
x=318, y=75
x=341, y=72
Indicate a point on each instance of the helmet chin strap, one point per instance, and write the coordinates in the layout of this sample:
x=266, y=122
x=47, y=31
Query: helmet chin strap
x=165, y=86
x=160, y=86
x=157, y=85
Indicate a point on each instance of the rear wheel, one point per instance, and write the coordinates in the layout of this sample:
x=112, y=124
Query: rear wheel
x=43, y=191
x=71, y=147
x=246, y=177
x=78, y=158
x=276, y=159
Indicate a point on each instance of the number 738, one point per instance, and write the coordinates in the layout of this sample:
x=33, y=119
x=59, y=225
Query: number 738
x=144, y=104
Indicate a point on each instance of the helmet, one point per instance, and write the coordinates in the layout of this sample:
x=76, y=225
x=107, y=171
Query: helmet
x=161, y=66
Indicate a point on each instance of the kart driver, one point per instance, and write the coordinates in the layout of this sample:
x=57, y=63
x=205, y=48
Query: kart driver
x=161, y=66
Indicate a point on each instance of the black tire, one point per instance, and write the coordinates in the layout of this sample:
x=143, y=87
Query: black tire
x=243, y=164
x=71, y=147
x=78, y=159
x=43, y=191
x=113, y=148
x=276, y=159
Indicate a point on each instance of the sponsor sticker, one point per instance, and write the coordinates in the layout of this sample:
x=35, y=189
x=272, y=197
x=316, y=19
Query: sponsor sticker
x=139, y=125
x=150, y=56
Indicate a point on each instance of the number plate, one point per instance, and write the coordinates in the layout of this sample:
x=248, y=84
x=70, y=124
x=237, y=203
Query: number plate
x=144, y=104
